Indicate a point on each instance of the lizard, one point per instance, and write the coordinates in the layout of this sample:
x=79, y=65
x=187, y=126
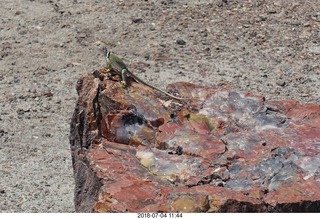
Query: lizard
x=116, y=63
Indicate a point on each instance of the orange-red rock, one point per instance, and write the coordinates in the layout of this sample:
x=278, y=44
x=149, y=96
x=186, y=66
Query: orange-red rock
x=135, y=150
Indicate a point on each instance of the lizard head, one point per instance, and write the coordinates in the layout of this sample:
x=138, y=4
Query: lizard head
x=99, y=44
x=102, y=46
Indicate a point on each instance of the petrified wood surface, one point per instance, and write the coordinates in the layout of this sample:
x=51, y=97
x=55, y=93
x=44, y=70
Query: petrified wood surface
x=135, y=150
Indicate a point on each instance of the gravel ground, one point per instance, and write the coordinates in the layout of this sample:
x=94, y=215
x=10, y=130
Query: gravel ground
x=271, y=48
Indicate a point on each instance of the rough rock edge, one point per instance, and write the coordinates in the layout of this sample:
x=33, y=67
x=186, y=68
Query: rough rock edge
x=87, y=184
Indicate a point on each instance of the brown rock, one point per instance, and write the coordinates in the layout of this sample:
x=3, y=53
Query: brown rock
x=225, y=152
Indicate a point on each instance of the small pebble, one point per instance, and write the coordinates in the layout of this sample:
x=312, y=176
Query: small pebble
x=152, y=28
x=16, y=79
x=137, y=20
x=20, y=111
x=281, y=82
x=272, y=11
x=180, y=42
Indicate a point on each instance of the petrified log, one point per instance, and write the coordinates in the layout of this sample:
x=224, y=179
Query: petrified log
x=136, y=151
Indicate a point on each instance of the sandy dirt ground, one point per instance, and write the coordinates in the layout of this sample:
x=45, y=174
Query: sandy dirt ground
x=270, y=48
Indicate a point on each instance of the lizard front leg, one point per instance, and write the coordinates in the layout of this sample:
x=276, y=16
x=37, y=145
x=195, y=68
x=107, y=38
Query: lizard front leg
x=109, y=66
x=124, y=77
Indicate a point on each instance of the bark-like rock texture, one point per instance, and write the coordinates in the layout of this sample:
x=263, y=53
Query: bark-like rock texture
x=135, y=150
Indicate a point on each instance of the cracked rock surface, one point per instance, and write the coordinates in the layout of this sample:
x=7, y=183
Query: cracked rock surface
x=135, y=150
